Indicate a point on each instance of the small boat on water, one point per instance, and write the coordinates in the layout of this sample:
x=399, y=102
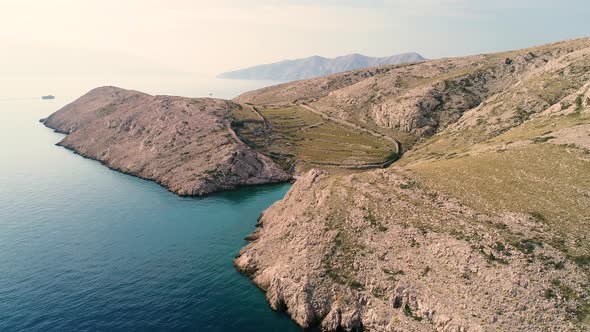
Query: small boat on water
x=47, y=97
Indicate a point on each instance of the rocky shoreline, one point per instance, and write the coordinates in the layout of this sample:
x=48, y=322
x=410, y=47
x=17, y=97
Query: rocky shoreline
x=441, y=267
x=154, y=138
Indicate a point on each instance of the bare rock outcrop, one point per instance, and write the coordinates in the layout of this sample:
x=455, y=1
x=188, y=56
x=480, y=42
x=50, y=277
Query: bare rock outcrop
x=376, y=251
x=185, y=144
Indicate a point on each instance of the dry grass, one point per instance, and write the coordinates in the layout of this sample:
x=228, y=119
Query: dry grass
x=542, y=179
x=299, y=135
x=542, y=126
x=243, y=113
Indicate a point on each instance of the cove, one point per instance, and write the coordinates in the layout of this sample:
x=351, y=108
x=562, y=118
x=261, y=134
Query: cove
x=85, y=248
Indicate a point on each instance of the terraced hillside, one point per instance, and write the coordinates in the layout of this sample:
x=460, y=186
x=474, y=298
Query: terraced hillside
x=299, y=138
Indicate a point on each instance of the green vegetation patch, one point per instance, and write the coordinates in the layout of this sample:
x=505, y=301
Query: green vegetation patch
x=408, y=312
x=296, y=134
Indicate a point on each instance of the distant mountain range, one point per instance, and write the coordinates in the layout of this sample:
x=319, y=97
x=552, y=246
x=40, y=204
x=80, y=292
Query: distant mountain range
x=290, y=70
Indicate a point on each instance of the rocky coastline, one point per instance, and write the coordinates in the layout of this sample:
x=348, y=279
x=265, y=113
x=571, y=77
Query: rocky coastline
x=457, y=235
x=481, y=225
x=184, y=144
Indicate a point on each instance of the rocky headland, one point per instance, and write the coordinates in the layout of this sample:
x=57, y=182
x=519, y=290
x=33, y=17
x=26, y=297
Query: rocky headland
x=185, y=144
x=481, y=224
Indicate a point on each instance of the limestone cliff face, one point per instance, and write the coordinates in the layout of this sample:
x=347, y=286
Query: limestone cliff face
x=184, y=144
x=375, y=251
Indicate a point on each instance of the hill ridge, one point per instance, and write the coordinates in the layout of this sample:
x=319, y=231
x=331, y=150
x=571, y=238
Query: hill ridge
x=316, y=65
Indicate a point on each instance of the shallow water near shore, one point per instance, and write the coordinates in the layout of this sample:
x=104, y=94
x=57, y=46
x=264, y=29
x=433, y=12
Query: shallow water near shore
x=85, y=248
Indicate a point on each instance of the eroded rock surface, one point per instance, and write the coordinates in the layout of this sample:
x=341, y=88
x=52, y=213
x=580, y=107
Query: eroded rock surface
x=185, y=144
x=377, y=251
x=482, y=225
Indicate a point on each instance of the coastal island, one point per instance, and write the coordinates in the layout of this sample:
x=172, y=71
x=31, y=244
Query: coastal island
x=481, y=223
x=314, y=66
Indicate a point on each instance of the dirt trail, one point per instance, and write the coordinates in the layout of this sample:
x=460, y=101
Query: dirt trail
x=397, y=144
x=258, y=114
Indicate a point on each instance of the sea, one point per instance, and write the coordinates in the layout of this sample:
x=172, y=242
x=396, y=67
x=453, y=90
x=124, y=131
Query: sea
x=85, y=248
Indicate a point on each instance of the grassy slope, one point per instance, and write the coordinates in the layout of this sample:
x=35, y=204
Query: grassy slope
x=296, y=134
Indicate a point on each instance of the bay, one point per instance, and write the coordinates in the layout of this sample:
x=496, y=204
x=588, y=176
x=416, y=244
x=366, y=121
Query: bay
x=85, y=248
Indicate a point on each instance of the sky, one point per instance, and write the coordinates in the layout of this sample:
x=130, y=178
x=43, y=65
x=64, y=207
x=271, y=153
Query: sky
x=209, y=37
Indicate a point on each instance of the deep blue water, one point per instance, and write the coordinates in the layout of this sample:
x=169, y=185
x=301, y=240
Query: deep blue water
x=86, y=248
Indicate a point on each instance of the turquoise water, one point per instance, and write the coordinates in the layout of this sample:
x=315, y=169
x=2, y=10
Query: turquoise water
x=86, y=248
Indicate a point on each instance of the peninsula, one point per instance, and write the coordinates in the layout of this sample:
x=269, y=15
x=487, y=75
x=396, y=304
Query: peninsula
x=184, y=144
x=447, y=195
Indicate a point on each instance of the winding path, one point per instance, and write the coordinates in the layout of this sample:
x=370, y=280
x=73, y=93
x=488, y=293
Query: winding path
x=255, y=110
x=343, y=122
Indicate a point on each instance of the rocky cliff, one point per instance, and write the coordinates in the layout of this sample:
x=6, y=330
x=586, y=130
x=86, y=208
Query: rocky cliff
x=378, y=251
x=185, y=144
x=424, y=98
x=482, y=225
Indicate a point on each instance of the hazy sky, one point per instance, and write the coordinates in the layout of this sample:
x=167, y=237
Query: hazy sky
x=214, y=36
